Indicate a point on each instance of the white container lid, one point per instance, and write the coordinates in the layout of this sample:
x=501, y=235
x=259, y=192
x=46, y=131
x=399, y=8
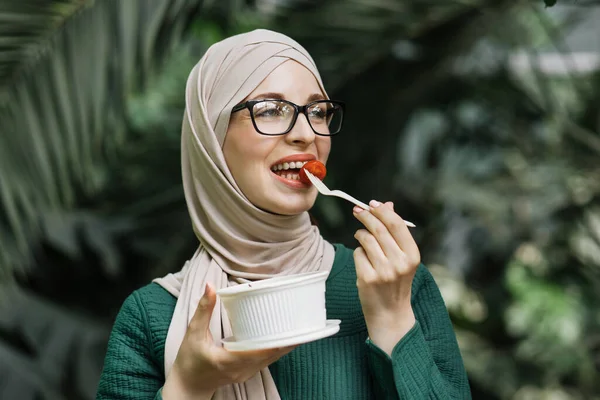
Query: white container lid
x=276, y=283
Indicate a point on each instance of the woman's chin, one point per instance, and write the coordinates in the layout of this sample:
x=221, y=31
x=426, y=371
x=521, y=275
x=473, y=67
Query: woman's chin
x=289, y=208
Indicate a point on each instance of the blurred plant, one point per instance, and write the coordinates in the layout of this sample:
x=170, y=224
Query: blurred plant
x=74, y=154
x=47, y=351
x=66, y=70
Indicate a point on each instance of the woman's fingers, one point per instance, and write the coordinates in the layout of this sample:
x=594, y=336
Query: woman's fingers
x=396, y=226
x=378, y=230
x=391, y=231
x=371, y=247
x=379, y=244
x=201, y=320
x=253, y=357
x=277, y=356
x=364, y=270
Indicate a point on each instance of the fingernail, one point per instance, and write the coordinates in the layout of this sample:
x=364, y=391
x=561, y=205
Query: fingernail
x=203, y=301
x=374, y=203
x=357, y=209
x=204, y=298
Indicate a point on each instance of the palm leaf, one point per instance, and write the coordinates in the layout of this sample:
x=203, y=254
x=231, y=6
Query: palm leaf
x=363, y=33
x=66, y=70
x=46, y=351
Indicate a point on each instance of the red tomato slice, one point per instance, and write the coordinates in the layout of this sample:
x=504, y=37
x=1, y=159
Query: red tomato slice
x=317, y=168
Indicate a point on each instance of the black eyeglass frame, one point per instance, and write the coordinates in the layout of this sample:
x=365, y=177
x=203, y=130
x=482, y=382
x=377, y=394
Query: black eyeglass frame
x=297, y=110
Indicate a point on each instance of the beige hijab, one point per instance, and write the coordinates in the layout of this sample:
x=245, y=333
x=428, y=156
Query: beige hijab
x=238, y=241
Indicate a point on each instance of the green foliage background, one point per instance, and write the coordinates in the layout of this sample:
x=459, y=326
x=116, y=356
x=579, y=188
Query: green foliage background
x=495, y=161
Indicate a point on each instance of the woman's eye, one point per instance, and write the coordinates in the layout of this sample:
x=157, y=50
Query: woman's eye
x=270, y=110
x=318, y=113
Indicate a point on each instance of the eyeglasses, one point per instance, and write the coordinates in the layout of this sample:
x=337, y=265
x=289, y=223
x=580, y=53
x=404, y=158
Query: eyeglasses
x=277, y=117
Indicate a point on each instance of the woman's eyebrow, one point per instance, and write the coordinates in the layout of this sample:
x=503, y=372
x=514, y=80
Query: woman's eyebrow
x=269, y=95
x=316, y=96
x=281, y=96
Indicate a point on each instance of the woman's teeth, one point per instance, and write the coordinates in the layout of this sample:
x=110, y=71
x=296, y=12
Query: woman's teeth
x=288, y=170
x=290, y=165
x=289, y=175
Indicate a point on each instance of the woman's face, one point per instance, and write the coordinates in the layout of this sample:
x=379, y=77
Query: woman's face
x=251, y=156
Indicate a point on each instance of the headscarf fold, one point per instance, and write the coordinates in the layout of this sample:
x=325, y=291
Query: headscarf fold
x=238, y=241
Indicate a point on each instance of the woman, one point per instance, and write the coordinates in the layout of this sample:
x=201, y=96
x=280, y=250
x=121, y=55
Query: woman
x=241, y=123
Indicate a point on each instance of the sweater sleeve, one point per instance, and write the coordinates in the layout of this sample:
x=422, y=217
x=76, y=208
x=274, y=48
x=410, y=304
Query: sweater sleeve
x=130, y=370
x=426, y=363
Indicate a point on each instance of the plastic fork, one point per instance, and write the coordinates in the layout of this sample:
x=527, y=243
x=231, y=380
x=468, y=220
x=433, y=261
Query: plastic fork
x=324, y=190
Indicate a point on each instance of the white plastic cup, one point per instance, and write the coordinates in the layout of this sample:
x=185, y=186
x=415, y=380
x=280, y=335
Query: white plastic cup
x=276, y=308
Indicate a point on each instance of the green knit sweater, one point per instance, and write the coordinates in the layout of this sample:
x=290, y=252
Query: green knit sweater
x=425, y=364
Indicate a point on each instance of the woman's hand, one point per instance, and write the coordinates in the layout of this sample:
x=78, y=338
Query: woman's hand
x=201, y=367
x=386, y=262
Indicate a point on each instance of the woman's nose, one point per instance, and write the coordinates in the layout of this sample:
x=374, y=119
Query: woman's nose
x=301, y=132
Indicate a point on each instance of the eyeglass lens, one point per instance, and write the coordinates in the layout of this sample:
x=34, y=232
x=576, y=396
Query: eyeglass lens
x=274, y=117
